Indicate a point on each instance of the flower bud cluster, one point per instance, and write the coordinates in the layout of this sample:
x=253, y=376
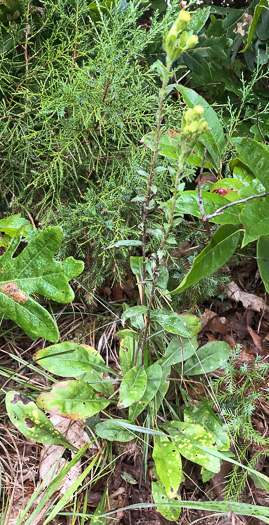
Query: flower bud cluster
x=177, y=40
x=192, y=127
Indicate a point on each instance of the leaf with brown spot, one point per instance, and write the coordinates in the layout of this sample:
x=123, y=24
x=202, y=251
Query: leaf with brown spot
x=73, y=399
x=32, y=422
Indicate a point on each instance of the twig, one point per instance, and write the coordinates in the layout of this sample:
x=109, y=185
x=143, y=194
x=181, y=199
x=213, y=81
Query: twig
x=220, y=210
x=201, y=204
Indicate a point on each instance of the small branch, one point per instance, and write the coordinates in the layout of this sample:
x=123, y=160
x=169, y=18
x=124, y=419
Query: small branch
x=201, y=204
x=220, y=210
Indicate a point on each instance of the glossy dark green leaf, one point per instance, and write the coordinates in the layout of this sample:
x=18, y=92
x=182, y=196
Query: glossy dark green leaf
x=133, y=386
x=35, y=271
x=255, y=217
x=31, y=421
x=256, y=156
x=263, y=259
x=73, y=399
x=214, y=256
x=207, y=358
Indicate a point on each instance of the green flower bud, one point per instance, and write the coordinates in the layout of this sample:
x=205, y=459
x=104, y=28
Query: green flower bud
x=191, y=42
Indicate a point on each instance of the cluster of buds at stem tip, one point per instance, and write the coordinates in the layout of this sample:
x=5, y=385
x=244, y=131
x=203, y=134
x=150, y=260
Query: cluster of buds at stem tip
x=192, y=127
x=177, y=40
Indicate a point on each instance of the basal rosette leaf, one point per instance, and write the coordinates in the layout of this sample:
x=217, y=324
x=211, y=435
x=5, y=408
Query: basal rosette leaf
x=133, y=386
x=71, y=359
x=168, y=464
x=31, y=421
x=73, y=399
x=35, y=271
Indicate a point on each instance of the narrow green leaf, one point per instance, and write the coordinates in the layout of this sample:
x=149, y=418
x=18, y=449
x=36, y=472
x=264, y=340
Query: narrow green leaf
x=127, y=242
x=133, y=386
x=32, y=422
x=178, y=350
x=112, y=430
x=263, y=259
x=207, y=358
x=154, y=378
x=73, y=399
x=252, y=29
x=128, y=344
x=214, y=256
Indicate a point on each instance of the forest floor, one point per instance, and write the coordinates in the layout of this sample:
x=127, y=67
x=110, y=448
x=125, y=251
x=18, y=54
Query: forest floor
x=240, y=322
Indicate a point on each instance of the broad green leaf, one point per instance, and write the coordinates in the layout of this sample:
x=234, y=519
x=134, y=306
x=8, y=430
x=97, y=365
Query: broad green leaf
x=35, y=271
x=73, y=399
x=256, y=156
x=214, y=256
x=71, y=359
x=206, y=475
x=252, y=29
x=133, y=386
x=171, y=322
x=168, y=464
x=32, y=422
x=204, y=416
x=113, y=431
x=136, y=264
x=188, y=202
x=163, y=502
x=207, y=358
x=187, y=435
x=154, y=378
x=13, y=224
x=129, y=339
x=263, y=259
x=198, y=19
x=231, y=188
x=135, y=314
x=255, y=217
x=214, y=136
x=178, y=350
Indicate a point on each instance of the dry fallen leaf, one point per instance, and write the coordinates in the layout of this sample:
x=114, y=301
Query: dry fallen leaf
x=50, y=462
x=248, y=300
